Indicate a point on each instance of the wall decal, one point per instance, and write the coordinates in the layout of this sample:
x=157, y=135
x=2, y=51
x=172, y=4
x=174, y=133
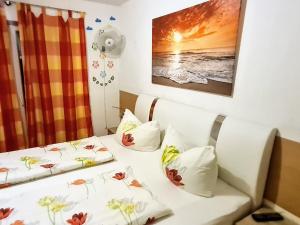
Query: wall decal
x=195, y=48
x=94, y=46
x=103, y=83
x=89, y=28
x=97, y=20
x=110, y=64
x=112, y=18
x=95, y=64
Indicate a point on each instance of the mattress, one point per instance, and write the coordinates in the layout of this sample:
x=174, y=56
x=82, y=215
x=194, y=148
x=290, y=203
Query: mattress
x=227, y=205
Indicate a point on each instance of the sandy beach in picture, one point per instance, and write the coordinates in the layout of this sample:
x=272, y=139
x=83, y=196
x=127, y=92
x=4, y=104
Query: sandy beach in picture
x=195, y=48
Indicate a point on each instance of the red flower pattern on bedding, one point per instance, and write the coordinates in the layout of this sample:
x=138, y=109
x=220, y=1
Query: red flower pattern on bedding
x=18, y=222
x=174, y=177
x=89, y=147
x=150, y=221
x=127, y=139
x=135, y=183
x=48, y=166
x=103, y=149
x=78, y=219
x=119, y=176
x=5, y=185
x=5, y=212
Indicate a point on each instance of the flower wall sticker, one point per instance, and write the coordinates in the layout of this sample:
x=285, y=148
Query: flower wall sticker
x=104, y=84
x=112, y=18
x=97, y=20
x=110, y=64
x=95, y=64
x=94, y=46
x=78, y=219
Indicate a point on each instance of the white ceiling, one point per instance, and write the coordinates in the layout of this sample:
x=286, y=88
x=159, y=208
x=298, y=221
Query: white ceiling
x=110, y=2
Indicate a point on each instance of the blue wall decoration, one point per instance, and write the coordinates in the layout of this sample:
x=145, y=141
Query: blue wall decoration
x=97, y=20
x=112, y=18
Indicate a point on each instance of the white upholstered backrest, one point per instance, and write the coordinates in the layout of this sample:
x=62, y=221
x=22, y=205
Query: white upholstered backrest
x=194, y=123
x=243, y=150
x=142, y=107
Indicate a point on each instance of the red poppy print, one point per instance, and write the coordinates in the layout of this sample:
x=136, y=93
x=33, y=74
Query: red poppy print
x=174, y=177
x=79, y=182
x=18, y=222
x=4, y=213
x=150, y=221
x=95, y=64
x=78, y=219
x=4, y=170
x=5, y=185
x=103, y=149
x=48, y=166
x=89, y=147
x=119, y=176
x=54, y=150
x=135, y=183
x=127, y=139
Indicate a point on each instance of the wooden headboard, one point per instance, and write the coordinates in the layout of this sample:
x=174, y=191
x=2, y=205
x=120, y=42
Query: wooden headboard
x=283, y=182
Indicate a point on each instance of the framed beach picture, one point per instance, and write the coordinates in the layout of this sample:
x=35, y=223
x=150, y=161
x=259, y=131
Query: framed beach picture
x=196, y=48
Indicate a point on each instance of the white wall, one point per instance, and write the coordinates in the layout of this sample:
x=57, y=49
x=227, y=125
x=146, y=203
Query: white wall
x=267, y=85
x=93, y=10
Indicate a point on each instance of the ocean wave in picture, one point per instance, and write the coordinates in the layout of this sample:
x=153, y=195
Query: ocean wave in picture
x=194, y=66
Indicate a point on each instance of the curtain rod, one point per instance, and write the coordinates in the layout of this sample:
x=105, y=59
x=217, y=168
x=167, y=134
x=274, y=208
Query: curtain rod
x=49, y=7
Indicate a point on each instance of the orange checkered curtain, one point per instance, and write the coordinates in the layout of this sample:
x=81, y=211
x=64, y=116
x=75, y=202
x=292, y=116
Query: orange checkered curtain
x=11, y=128
x=56, y=79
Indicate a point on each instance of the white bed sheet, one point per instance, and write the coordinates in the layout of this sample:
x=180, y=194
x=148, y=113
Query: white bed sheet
x=226, y=206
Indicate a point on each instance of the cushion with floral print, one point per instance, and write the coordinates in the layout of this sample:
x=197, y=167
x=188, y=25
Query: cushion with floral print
x=133, y=134
x=194, y=169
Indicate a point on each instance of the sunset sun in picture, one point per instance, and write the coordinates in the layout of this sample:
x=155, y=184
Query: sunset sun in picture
x=177, y=36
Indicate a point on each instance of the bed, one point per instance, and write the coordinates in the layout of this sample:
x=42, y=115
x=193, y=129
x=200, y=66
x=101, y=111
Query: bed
x=243, y=149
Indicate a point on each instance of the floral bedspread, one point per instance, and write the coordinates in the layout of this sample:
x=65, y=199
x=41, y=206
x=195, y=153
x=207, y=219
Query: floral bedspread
x=114, y=197
x=30, y=164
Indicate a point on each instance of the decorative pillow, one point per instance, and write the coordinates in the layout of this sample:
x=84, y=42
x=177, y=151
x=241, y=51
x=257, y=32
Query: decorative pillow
x=132, y=134
x=194, y=169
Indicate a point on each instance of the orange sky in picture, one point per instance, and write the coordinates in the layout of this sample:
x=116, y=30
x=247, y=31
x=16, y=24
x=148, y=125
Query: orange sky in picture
x=210, y=25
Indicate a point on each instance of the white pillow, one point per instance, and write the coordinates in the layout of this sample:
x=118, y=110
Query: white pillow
x=132, y=134
x=193, y=169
